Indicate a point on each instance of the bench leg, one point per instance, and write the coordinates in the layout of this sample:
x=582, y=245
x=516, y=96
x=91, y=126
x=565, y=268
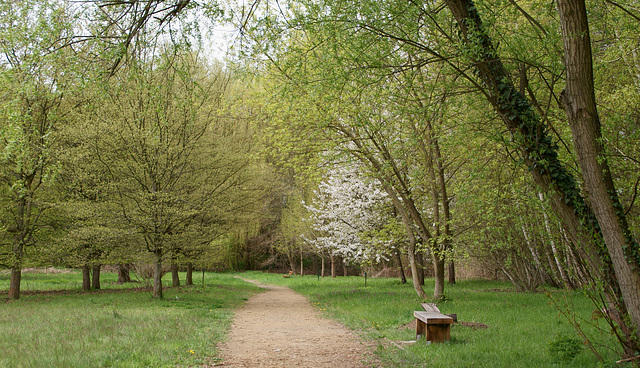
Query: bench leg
x=421, y=329
x=438, y=333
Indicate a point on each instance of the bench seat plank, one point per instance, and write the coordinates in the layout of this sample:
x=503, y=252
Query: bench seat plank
x=433, y=317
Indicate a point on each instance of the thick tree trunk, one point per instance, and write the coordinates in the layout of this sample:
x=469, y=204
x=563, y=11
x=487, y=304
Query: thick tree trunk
x=403, y=278
x=579, y=103
x=86, y=278
x=540, y=153
x=157, y=274
x=123, y=273
x=95, y=277
x=14, y=283
x=189, y=278
x=175, y=277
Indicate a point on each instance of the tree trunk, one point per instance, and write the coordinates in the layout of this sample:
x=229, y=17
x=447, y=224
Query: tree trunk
x=175, y=277
x=421, y=265
x=292, y=261
x=14, y=283
x=315, y=264
x=21, y=217
x=452, y=273
x=403, y=278
x=344, y=268
x=403, y=203
x=157, y=274
x=580, y=105
x=333, y=266
x=411, y=249
x=555, y=262
x=95, y=278
x=189, y=278
x=322, y=272
x=415, y=269
x=123, y=273
x=86, y=278
x=540, y=153
x=438, y=269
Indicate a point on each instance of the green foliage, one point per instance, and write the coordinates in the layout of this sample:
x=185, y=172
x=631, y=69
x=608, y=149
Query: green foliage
x=564, y=348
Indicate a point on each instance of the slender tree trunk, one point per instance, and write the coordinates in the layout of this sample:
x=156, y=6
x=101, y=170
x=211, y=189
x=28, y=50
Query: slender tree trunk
x=292, y=261
x=403, y=278
x=411, y=249
x=580, y=105
x=95, y=277
x=175, y=277
x=402, y=203
x=301, y=261
x=322, y=266
x=438, y=269
x=415, y=269
x=22, y=213
x=189, y=278
x=557, y=263
x=344, y=269
x=86, y=278
x=420, y=262
x=452, y=273
x=333, y=266
x=315, y=264
x=123, y=273
x=14, y=283
x=157, y=274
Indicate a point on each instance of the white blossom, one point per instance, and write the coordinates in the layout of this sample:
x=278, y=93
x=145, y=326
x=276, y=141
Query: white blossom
x=348, y=207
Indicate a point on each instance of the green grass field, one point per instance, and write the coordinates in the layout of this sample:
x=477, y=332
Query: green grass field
x=522, y=328
x=116, y=327
x=123, y=328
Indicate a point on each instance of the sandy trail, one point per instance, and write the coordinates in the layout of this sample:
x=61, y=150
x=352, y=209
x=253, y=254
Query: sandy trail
x=279, y=328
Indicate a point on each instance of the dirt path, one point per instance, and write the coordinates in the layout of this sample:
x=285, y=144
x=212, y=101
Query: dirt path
x=279, y=328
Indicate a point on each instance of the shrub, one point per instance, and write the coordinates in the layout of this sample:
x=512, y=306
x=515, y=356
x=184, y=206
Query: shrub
x=565, y=348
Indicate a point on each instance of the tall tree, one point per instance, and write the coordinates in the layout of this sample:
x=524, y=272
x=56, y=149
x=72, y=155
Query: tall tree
x=579, y=102
x=162, y=146
x=34, y=74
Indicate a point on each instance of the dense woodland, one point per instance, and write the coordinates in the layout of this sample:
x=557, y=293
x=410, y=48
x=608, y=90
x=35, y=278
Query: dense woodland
x=491, y=138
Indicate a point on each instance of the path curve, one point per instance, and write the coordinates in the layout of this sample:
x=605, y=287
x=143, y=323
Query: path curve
x=280, y=329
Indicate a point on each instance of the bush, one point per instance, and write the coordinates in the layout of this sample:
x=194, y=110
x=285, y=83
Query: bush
x=565, y=348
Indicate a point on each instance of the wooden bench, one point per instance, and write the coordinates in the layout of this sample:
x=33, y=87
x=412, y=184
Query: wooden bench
x=433, y=325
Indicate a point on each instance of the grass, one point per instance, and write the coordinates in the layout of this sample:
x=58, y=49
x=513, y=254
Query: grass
x=127, y=328
x=523, y=329
x=116, y=328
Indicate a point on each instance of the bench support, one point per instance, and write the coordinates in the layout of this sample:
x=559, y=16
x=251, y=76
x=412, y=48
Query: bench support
x=435, y=327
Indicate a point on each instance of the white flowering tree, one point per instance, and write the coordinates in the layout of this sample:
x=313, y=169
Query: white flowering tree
x=351, y=217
